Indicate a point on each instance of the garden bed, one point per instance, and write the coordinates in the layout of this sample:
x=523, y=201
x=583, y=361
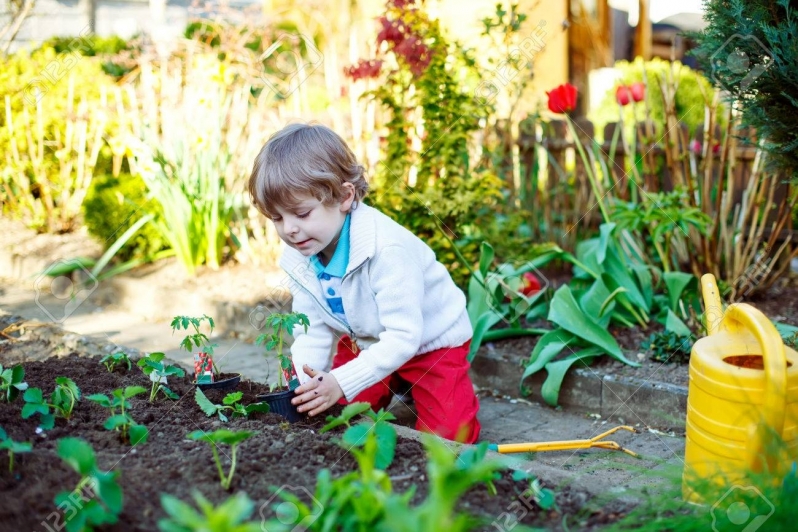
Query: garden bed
x=280, y=454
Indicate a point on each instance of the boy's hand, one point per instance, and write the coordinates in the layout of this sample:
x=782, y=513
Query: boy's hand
x=318, y=394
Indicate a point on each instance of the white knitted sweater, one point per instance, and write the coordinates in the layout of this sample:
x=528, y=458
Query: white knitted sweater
x=399, y=300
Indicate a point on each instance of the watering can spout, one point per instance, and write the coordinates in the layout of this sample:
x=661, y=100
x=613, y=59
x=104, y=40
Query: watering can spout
x=713, y=312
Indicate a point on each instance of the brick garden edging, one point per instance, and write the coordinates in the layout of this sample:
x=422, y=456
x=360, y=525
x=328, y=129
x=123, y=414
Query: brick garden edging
x=620, y=398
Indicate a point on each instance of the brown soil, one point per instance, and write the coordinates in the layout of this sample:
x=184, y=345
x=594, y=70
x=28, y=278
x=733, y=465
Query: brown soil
x=168, y=463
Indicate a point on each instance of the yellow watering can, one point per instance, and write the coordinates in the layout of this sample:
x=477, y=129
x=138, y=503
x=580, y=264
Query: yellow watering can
x=742, y=401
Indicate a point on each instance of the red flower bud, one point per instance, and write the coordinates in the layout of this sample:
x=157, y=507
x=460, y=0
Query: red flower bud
x=531, y=284
x=562, y=99
x=623, y=95
x=638, y=91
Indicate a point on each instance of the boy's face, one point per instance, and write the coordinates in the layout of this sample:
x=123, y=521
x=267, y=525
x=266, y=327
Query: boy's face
x=312, y=227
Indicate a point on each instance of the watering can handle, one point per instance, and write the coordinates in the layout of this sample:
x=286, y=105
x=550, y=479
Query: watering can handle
x=775, y=361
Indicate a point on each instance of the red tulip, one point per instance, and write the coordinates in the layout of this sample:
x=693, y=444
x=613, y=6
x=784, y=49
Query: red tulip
x=623, y=95
x=531, y=284
x=562, y=99
x=638, y=91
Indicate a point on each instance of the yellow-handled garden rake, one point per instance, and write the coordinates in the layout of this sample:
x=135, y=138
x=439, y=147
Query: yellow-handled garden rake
x=536, y=447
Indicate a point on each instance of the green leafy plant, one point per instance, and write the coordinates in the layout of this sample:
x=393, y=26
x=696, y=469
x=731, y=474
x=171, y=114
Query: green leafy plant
x=120, y=419
x=116, y=360
x=153, y=366
x=197, y=338
x=12, y=381
x=62, y=402
x=223, y=437
x=229, y=516
x=274, y=340
x=669, y=347
x=364, y=500
x=13, y=447
x=97, y=498
x=231, y=402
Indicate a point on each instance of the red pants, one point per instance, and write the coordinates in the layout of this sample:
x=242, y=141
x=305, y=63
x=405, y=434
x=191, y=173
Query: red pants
x=441, y=389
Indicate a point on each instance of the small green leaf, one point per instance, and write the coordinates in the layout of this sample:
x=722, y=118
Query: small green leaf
x=33, y=395
x=353, y=409
x=78, y=454
x=114, y=422
x=355, y=436
x=262, y=408
x=138, y=434
x=100, y=399
x=132, y=391
x=232, y=398
x=386, y=445
x=205, y=404
x=169, y=393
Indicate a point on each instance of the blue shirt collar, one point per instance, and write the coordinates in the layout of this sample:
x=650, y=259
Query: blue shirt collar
x=340, y=259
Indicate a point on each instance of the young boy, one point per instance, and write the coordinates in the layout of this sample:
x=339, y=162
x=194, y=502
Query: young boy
x=364, y=279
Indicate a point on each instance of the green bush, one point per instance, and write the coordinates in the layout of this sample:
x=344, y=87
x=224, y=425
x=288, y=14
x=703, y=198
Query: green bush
x=117, y=54
x=47, y=161
x=112, y=205
x=761, y=33
x=689, y=100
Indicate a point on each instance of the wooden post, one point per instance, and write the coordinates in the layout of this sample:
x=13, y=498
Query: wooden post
x=643, y=32
x=529, y=171
x=89, y=10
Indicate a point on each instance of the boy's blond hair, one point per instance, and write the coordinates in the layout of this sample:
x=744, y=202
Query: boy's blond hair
x=304, y=159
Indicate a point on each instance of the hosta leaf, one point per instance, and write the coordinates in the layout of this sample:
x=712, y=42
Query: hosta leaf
x=549, y=346
x=557, y=370
x=675, y=324
x=565, y=312
x=676, y=283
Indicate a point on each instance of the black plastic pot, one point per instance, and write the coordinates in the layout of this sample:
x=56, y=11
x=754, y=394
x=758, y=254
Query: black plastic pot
x=280, y=403
x=225, y=384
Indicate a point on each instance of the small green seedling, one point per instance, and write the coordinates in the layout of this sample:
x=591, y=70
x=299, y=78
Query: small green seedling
x=230, y=516
x=62, y=402
x=13, y=447
x=12, y=381
x=97, y=498
x=227, y=437
x=281, y=323
x=376, y=436
x=116, y=360
x=541, y=496
x=197, y=339
x=231, y=402
x=152, y=365
x=120, y=420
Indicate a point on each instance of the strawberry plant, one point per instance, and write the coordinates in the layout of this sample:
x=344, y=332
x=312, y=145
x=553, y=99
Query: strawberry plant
x=226, y=437
x=364, y=500
x=116, y=360
x=12, y=381
x=153, y=366
x=62, y=402
x=229, y=516
x=281, y=323
x=97, y=498
x=120, y=420
x=231, y=402
x=13, y=447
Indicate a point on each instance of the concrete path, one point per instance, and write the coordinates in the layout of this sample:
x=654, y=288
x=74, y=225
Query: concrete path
x=504, y=419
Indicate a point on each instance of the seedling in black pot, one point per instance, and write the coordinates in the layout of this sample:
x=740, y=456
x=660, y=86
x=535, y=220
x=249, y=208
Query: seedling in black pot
x=282, y=391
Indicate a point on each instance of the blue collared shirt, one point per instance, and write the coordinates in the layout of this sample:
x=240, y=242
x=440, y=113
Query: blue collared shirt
x=330, y=276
